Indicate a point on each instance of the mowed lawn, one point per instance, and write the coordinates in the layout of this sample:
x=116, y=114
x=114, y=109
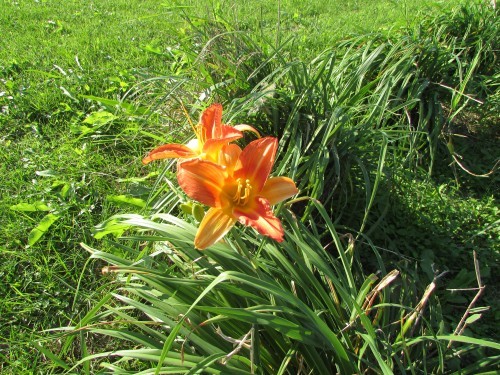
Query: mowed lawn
x=69, y=161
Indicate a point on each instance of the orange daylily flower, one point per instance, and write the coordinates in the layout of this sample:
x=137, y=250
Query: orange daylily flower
x=238, y=190
x=211, y=136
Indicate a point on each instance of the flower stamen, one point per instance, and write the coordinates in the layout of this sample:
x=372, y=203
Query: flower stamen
x=242, y=192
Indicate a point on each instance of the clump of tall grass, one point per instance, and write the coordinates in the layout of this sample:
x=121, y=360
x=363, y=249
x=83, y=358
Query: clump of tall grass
x=252, y=306
x=346, y=120
x=470, y=30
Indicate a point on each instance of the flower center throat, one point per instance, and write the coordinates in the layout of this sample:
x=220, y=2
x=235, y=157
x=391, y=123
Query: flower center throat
x=243, y=192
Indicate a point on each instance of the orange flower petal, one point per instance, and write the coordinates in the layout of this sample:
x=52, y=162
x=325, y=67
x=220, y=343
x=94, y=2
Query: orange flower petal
x=172, y=150
x=257, y=160
x=229, y=157
x=278, y=189
x=212, y=146
x=194, y=145
x=247, y=128
x=202, y=181
x=260, y=217
x=230, y=133
x=211, y=119
x=212, y=228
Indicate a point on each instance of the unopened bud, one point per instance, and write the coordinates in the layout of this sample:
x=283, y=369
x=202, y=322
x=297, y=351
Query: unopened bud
x=198, y=212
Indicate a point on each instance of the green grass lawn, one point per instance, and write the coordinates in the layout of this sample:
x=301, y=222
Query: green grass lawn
x=86, y=89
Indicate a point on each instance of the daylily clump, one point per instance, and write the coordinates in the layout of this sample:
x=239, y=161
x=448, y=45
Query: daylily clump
x=234, y=183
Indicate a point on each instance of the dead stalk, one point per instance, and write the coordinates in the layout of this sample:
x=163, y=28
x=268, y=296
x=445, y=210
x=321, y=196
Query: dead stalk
x=463, y=324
